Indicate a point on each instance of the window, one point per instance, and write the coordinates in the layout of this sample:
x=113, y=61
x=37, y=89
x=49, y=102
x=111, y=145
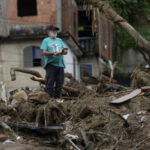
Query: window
x=37, y=60
x=33, y=57
x=27, y=8
x=85, y=24
x=86, y=70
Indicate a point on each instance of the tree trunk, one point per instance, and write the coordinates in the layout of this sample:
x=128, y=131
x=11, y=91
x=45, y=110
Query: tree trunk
x=28, y=71
x=104, y=6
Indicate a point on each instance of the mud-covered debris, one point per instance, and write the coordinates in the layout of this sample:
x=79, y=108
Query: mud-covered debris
x=145, y=89
x=18, y=95
x=39, y=97
x=3, y=137
x=104, y=125
x=84, y=111
x=140, y=77
x=127, y=97
x=90, y=80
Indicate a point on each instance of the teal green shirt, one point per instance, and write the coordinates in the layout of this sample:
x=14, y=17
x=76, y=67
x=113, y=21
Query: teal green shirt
x=51, y=45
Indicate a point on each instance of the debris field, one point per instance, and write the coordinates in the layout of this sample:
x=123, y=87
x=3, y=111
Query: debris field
x=89, y=118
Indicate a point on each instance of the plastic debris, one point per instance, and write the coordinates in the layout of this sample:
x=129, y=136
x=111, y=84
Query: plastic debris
x=126, y=116
x=73, y=137
x=142, y=112
x=8, y=141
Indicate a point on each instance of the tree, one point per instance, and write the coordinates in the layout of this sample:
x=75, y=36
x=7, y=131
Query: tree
x=111, y=14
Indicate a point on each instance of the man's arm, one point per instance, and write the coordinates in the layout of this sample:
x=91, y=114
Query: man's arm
x=46, y=53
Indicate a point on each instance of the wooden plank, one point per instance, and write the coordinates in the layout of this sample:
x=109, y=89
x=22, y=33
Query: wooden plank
x=126, y=97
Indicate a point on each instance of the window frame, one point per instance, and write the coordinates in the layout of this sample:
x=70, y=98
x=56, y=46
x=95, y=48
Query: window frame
x=86, y=64
x=26, y=14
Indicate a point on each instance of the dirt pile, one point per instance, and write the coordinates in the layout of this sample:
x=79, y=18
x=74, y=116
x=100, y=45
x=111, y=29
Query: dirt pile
x=140, y=77
x=85, y=121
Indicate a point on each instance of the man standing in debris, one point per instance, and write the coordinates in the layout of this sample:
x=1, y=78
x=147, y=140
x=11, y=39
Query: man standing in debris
x=53, y=50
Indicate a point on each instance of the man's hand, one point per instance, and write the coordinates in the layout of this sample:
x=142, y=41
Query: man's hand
x=64, y=51
x=57, y=53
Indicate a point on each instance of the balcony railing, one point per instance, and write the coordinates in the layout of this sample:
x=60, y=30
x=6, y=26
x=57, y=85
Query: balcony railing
x=88, y=45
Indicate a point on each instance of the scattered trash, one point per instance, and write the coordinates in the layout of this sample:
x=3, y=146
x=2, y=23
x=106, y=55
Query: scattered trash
x=74, y=145
x=60, y=100
x=18, y=138
x=83, y=120
x=143, y=119
x=126, y=97
x=8, y=142
x=147, y=66
x=142, y=112
x=3, y=137
x=43, y=130
x=126, y=116
x=145, y=89
x=68, y=126
x=73, y=137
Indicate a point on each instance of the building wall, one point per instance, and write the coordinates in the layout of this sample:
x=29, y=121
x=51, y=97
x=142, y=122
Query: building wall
x=70, y=17
x=71, y=63
x=91, y=60
x=64, y=13
x=3, y=19
x=46, y=13
x=129, y=59
x=105, y=37
x=12, y=56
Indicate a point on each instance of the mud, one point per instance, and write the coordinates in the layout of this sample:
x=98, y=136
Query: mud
x=103, y=124
x=88, y=119
x=140, y=77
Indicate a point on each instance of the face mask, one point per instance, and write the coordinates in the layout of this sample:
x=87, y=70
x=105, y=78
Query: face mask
x=52, y=34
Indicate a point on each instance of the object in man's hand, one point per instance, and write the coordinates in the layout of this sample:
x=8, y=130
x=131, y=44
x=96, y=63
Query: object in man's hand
x=64, y=50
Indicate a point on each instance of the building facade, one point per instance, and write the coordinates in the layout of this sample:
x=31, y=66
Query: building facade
x=96, y=48
x=27, y=23
x=105, y=38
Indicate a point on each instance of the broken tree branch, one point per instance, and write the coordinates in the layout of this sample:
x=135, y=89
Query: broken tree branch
x=84, y=136
x=66, y=88
x=140, y=143
x=112, y=72
x=109, y=135
x=89, y=145
x=41, y=80
x=73, y=144
x=28, y=71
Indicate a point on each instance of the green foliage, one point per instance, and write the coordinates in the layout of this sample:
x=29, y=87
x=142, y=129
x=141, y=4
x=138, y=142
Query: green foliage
x=131, y=10
x=137, y=13
x=125, y=42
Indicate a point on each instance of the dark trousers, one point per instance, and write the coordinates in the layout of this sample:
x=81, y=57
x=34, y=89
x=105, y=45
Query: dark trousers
x=54, y=75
